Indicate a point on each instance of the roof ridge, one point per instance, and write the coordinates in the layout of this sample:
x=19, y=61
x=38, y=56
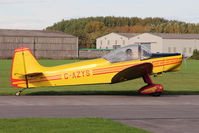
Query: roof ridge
x=177, y=35
x=24, y=32
x=128, y=35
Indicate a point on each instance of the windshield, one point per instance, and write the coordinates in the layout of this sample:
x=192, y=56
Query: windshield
x=130, y=52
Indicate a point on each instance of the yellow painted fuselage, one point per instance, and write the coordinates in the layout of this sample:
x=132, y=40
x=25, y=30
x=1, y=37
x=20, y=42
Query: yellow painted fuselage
x=85, y=72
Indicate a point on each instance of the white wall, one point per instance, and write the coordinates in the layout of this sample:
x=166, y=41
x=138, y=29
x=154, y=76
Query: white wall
x=155, y=41
x=107, y=41
x=158, y=44
x=196, y=44
x=184, y=46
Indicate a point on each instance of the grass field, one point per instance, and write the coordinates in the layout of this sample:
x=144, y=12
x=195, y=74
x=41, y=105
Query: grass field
x=185, y=82
x=65, y=125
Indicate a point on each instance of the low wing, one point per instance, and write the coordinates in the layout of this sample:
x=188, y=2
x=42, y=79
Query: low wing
x=133, y=72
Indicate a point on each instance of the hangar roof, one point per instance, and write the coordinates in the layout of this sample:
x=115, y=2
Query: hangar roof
x=176, y=36
x=128, y=35
x=164, y=35
x=32, y=33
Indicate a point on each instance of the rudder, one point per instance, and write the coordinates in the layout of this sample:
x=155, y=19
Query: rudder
x=23, y=65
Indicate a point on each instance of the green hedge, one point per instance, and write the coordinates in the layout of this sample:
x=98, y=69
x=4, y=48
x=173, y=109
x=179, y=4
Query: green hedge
x=195, y=54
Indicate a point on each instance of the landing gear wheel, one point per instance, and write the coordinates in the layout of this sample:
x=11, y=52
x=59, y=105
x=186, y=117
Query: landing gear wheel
x=18, y=93
x=156, y=94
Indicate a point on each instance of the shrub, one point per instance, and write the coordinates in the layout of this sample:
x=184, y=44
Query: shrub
x=195, y=54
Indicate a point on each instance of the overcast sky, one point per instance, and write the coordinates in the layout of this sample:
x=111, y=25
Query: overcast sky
x=38, y=14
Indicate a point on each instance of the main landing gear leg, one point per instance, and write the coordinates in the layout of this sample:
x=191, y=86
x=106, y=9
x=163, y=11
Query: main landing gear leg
x=151, y=88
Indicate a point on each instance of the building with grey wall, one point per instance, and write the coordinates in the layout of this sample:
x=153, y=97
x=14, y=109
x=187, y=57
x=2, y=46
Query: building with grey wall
x=157, y=42
x=92, y=53
x=43, y=44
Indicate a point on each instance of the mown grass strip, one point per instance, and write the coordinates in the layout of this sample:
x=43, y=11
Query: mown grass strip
x=65, y=125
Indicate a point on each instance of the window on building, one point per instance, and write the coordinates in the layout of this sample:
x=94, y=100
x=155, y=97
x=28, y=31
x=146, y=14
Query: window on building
x=123, y=42
x=100, y=47
x=115, y=42
x=174, y=49
x=106, y=47
x=108, y=42
x=184, y=50
x=101, y=42
x=169, y=49
x=190, y=50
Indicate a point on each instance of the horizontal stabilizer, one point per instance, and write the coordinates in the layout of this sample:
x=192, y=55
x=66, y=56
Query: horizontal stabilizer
x=33, y=74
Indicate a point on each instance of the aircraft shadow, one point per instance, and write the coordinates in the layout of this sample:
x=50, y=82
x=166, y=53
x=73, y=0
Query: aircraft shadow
x=127, y=93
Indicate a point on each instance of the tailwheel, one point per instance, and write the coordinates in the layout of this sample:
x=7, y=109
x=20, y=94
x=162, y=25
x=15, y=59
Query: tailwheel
x=18, y=93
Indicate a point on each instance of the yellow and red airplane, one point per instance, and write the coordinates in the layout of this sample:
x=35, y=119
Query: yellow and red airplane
x=129, y=62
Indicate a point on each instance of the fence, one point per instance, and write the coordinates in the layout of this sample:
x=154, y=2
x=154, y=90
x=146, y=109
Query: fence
x=93, y=53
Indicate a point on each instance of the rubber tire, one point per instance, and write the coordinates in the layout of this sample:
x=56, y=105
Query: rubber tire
x=18, y=93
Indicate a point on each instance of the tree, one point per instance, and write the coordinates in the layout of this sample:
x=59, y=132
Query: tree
x=88, y=29
x=94, y=27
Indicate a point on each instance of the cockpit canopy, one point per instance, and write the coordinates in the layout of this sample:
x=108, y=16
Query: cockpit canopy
x=127, y=53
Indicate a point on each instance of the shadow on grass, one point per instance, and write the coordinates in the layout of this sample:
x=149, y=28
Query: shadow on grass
x=181, y=92
x=127, y=93
x=84, y=93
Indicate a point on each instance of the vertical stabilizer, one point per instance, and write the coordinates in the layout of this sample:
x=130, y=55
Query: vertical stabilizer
x=23, y=64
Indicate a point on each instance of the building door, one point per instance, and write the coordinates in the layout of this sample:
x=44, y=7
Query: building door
x=147, y=45
x=116, y=46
